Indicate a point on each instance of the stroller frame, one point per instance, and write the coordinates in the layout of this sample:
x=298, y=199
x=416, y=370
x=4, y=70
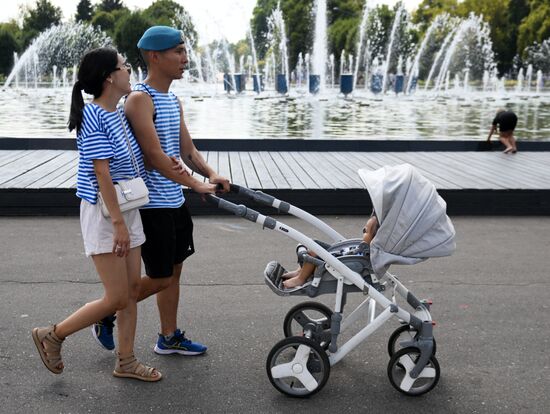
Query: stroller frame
x=414, y=362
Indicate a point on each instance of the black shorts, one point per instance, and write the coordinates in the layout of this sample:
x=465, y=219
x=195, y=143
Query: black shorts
x=169, y=239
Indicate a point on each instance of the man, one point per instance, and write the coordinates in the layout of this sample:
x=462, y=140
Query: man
x=506, y=121
x=156, y=116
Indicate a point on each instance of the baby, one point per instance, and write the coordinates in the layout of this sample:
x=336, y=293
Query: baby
x=299, y=276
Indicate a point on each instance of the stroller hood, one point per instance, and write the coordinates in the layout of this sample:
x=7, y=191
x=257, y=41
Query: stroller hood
x=413, y=222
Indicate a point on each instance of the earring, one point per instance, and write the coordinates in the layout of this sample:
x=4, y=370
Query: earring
x=110, y=81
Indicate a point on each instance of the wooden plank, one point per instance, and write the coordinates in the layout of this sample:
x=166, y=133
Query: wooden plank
x=26, y=164
x=341, y=171
x=263, y=173
x=14, y=156
x=274, y=171
x=64, y=180
x=298, y=170
x=224, y=169
x=509, y=173
x=458, y=173
x=50, y=167
x=428, y=169
x=7, y=154
x=317, y=176
x=252, y=179
x=237, y=173
x=291, y=178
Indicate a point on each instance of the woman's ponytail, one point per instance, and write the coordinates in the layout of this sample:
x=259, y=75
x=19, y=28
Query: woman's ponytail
x=77, y=105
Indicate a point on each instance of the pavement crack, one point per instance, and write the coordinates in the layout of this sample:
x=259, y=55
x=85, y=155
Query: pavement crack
x=97, y=282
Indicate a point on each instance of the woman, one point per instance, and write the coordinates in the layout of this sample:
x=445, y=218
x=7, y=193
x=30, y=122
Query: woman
x=105, y=144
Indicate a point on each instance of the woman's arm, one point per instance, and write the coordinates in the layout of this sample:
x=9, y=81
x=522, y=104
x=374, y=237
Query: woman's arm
x=121, y=237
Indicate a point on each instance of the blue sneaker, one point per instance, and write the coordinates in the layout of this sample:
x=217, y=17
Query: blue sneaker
x=178, y=344
x=102, y=332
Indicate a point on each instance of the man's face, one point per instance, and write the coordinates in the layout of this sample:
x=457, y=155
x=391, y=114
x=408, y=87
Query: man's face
x=174, y=61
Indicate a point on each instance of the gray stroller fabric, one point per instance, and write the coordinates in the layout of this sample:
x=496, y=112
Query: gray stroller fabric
x=413, y=222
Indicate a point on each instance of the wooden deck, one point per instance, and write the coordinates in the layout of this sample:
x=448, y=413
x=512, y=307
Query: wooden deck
x=43, y=181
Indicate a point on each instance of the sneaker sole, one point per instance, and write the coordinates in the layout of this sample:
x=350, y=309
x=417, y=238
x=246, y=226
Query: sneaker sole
x=99, y=342
x=161, y=351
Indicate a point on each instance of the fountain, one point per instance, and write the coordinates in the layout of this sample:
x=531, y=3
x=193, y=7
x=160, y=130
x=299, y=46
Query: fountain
x=454, y=62
x=396, y=22
x=278, y=49
x=317, y=79
x=61, y=46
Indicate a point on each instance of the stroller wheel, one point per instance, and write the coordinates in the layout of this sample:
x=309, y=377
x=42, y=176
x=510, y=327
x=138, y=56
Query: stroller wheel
x=298, y=367
x=400, y=366
x=309, y=319
x=402, y=334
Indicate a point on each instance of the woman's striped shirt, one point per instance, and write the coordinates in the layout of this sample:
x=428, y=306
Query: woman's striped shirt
x=102, y=137
x=164, y=193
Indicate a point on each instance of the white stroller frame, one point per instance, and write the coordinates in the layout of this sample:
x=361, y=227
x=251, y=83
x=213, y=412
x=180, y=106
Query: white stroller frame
x=412, y=370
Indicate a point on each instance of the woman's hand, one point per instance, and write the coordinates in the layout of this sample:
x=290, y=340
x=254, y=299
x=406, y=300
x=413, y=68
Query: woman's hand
x=121, y=239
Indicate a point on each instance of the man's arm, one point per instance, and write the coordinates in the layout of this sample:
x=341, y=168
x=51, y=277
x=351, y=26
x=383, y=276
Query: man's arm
x=194, y=159
x=139, y=110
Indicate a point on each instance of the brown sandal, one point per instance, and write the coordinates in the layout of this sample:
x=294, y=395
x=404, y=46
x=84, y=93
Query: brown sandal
x=52, y=356
x=130, y=367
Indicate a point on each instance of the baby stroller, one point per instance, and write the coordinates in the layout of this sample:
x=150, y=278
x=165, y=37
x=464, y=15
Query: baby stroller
x=413, y=226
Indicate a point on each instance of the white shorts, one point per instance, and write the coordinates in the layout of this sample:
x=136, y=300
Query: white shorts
x=97, y=231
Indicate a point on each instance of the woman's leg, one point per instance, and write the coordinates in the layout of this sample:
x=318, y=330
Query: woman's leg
x=127, y=317
x=111, y=270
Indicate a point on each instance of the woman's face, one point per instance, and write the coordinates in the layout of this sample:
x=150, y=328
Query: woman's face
x=121, y=76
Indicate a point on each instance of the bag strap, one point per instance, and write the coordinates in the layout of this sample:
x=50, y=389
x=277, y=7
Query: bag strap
x=132, y=156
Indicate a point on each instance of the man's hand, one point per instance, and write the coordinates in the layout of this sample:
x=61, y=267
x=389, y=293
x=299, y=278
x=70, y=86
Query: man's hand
x=204, y=188
x=218, y=179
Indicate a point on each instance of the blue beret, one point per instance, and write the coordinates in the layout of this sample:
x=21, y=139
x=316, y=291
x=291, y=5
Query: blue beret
x=160, y=38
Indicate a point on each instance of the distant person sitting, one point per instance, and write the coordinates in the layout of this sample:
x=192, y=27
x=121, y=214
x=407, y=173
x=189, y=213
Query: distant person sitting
x=299, y=276
x=506, y=122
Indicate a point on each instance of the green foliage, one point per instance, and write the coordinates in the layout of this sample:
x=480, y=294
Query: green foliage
x=428, y=9
x=104, y=21
x=536, y=26
x=110, y=5
x=84, y=11
x=127, y=34
x=162, y=12
x=8, y=45
x=38, y=18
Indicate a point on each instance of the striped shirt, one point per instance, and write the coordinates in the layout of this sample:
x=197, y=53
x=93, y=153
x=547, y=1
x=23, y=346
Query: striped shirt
x=164, y=193
x=102, y=137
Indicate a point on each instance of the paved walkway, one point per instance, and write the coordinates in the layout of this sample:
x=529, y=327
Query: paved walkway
x=490, y=304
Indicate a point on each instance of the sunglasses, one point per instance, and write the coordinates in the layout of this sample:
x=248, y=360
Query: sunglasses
x=125, y=66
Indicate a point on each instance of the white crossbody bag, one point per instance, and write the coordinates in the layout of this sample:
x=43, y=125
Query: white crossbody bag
x=131, y=193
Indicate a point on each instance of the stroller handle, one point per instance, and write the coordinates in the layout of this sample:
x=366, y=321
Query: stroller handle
x=241, y=211
x=282, y=206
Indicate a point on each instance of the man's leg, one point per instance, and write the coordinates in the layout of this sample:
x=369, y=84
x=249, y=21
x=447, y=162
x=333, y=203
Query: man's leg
x=168, y=301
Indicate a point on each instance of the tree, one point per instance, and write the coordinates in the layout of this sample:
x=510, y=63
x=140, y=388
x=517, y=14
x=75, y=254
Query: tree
x=8, y=45
x=536, y=26
x=83, y=11
x=170, y=13
x=104, y=21
x=37, y=19
x=110, y=5
x=428, y=9
x=127, y=34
